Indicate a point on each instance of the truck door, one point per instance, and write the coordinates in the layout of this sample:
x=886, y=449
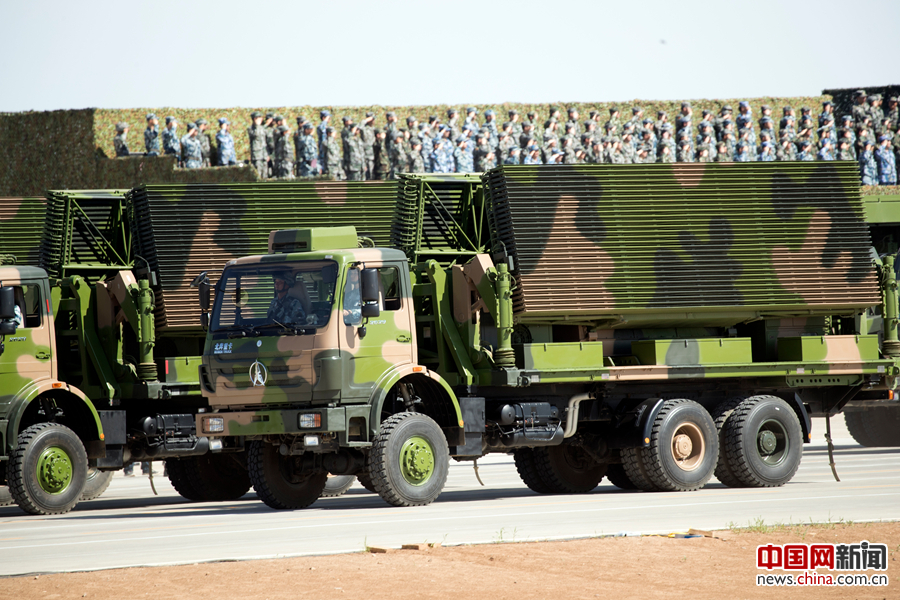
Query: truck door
x=388, y=337
x=27, y=353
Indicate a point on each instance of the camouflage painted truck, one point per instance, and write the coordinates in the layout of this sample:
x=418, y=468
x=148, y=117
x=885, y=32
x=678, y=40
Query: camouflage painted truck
x=99, y=344
x=653, y=324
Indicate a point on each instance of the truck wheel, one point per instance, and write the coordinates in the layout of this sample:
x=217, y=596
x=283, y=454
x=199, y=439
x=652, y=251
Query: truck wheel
x=409, y=460
x=180, y=478
x=528, y=471
x=633, y=464
x=618, y=477
x=95, y=483
x=280, y=481
x=877, y=426
x=336, y=485
x=763, y=442
x=683, y=447
x=365, y=480
x=47, y=469
x=720, y=415
x=5, y=497
x=218, y=477
x=568, y=469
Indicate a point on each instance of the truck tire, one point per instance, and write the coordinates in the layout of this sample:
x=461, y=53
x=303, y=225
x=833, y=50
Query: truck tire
x=633, y=464
x=878, y=426
x=618, y=477
x=279, y=481
x=409, y=460
x=568, y=469
x=180, y=478
x=47, y=469
x=528, y=471
x=763, y=442
x=95, y=483
x=365, y=480
x=5, y=497
x=336, y=485
x=720, y=415
x=684, y=447
x=218, y=477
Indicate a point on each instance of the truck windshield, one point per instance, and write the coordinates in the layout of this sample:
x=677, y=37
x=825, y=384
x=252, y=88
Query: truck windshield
x=276, y=299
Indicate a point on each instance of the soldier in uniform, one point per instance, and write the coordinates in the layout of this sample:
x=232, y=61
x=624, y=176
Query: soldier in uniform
x=151, y=136
x=355, y=157
x=484, y=156
x=416, y=160
x=367, y=133
x=463, y=155
x=827, y=110
x=637, y=117
x=683, y=122
x=786, y=151
x=612, y=125
x=513, y=116
x=256, y=134
x=512, y=157
x=532, y=156
x=767, y=152
x=573, y=120
x=399, y=159
x=270, y=142
x=471, y=122
x=333, y=161
x=743, y=152
x=845, y=151
x=893, y=112
x=527, y=134
x=723, y=154
x=858, y=110
x=170, y=141
x=205, y=141
x=874, y=110
x=787, y=121
x=490, y=123
x=381, y=159
x=453, y=122
x=868, y=168
x=190, y=145
x=887, y=163
x=225, y=144
x=804, y=154
x=284, y=152
x=119, y=141
x=724, y=115
x=703, y=153
x=308, y=152
x=285, y=308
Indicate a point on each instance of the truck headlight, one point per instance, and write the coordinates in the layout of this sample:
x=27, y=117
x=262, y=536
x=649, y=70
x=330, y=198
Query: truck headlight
x=213, y=424
x=310, y=420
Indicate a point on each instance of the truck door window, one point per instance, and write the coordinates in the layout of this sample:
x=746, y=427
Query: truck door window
x=352, y=305
x=28, y=306
x=389, y=279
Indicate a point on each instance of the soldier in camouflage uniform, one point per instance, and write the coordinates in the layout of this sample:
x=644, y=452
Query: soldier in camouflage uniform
x=767, y=152
x=256, y=135
x=637, y=118
x=381, y=156
x=285, y=308
x=356, y=155
x=573, y=121
x=743, y=152
x=611, y=127
x=307, y=152
x=512, y=157
x=724, y=115
x=723, y=154
x=858, y=110
x=119, y=141
x=484, y=156
x=151, y=136
x=205, y=141
x=490, y=123
x=827, y=109
x=453, y=122
x=333, y=160
x=170, y=142
x=868, y=167
x=463, y=154
x=805, y=131
x=874, y=110
x=346, y=132
x=703, y=153
x=505, y=142
x=532, y=156
x=399, y=158
x=225, y=144
x=864, y=133
x=284, y=152
x=441, y=159
x=786, y=150
x=847, y=126
x=845, y=151
x=190, y=146
x=767, y=125
x=803, y=153
x=471, y=122
x=893, y=112
x=887, y=163
x=516, y=131
x=322, y=137
x=270, y=141
x=683, y=122
x=527, y=134
x=367, y=133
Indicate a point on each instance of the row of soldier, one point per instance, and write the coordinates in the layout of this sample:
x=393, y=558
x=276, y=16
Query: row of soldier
x=366, y=152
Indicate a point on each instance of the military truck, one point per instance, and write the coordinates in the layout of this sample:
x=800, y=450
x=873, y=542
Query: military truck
x=652, y=324
x=99, y=344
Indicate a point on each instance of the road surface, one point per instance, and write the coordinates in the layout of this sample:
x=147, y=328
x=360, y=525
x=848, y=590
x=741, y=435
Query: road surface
x=128, y=526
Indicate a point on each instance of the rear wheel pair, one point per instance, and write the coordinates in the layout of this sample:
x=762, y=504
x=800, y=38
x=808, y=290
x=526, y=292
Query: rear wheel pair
x=873, y=427
x=209, y=477
x=563, y=469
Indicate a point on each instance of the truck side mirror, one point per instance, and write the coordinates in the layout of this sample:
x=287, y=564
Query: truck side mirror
x=204, y=288
x=7, y=303
x=369, y=285
x=370, y=311
x=204, y=320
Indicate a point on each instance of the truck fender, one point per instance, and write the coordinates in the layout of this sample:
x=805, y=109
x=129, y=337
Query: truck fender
x=59, y=391
x=390, y=379
x=803, y=415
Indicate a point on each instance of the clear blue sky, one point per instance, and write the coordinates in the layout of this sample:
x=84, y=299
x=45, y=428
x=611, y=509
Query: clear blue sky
x=203, y=53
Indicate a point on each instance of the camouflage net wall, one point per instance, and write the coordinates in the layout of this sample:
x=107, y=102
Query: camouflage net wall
x=42, y=151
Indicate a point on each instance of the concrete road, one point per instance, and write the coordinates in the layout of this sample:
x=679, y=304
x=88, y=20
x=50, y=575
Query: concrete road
x=128, y=526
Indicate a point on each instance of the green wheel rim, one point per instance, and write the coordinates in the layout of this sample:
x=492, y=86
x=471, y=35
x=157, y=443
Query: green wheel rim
x=416, y=460
x=54, y=470
x=772, y=442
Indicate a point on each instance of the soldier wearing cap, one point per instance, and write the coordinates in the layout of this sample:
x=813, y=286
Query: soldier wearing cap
x=825, y=152
x=322, y=137
x=723, y=154
x=367, y=133
x=453, y=122
x=868, y=167
x=355, y=154
x=845, y=151
x=858, y=110
x=205, y=141
x=484, y=156
x=416, y=160
x=887, y=163
x=512, y=157
x=743, y=153
x=684, y=153
x=683, y=121
x=531, y=118
x=170, y=142
x=767, y=125
x=270, y=140
x=151, y=136
x=804, y=154
x=190, y=146
x=637, y=118
x=893, y=112
x=285, y=308
x=399, y=157
x=259, y=155
x=874, y=110
x=827, y=109
x=864, y=132
x=284, y=152
x=573, y=120
x=612, y=124
x=225, y=144
x=119, y=141
x=307, y=152
x=471, y=122
x=513, y=116
x=848, y=135
x=786, y=151
x=490, y=123
x=724, y=115
x=333, y=161
x=382, y=168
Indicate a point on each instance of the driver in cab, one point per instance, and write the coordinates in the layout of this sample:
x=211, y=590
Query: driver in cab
x=285, y=308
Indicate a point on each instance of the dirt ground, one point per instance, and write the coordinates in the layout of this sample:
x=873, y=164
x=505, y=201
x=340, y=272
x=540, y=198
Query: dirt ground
x=720, y=567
